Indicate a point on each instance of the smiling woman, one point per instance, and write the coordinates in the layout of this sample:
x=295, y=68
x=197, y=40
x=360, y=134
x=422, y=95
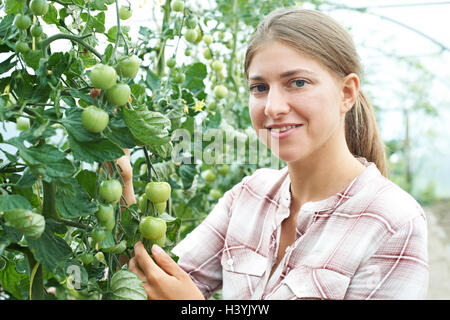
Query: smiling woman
x=330, y=225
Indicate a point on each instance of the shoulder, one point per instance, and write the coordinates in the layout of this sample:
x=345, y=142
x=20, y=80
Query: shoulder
x=265, y=182
x=393, y=205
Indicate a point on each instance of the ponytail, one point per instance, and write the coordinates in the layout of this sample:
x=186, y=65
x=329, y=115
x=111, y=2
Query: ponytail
x=362, y=134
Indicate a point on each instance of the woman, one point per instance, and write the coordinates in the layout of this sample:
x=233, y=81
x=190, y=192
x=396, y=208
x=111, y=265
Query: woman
x=330, y=225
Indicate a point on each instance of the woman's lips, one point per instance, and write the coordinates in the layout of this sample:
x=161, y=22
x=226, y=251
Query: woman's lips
x=277, y=134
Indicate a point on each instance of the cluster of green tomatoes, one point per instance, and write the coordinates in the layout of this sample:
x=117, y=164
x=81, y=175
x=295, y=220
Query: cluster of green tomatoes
x=104, y=77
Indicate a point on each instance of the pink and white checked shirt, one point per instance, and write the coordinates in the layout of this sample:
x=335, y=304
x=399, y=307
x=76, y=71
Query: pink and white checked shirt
x=367, y=242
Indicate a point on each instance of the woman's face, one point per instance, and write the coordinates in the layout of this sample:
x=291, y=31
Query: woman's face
x=296, y=104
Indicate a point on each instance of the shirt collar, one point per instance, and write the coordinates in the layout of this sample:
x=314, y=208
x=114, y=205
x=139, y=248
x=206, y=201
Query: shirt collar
x=331, y=203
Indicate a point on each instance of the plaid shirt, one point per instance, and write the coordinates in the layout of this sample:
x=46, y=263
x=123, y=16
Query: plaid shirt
x=367, y=242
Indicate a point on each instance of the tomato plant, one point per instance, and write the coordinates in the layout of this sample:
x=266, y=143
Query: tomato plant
x=69, y=113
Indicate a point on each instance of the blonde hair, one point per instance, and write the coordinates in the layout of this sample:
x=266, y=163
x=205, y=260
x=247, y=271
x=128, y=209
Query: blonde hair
x=321, y=37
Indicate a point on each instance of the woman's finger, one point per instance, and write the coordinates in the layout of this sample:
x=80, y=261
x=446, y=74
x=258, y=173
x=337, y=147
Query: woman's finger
x=133, y=267
x=166, y=263
x=148, y=266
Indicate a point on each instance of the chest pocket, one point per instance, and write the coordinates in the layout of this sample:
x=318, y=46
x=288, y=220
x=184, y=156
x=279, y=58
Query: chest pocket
x=312, y=283
x=242, y=272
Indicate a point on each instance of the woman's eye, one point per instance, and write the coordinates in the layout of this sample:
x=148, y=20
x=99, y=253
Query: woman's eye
x=258, y=88
x=298, y=83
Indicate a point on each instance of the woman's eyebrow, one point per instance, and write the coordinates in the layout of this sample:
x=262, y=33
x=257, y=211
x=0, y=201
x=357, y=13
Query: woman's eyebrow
x=285, y=74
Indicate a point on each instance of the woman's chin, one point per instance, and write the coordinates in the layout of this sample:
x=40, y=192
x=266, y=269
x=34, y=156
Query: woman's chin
x=289, y=155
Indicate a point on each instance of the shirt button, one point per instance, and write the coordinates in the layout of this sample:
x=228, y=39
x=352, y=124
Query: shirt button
x=230, y=262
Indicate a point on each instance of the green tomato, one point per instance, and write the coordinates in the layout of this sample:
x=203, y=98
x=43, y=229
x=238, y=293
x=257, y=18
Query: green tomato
x=152, y=227
x=157, y=191
x=98, y=235
x=39, y=7
x=36, y=30
x=94, y=119
x=105, y=212
x=177, y=6
x=87, y=258
x=208, y=39
x=212, y=106
x=100, y=257
x=124, y=13
x=119, y=94
x=159, y=242
x=179, y=77
x=22, y=47
x=187, y=53
x=142, y=203
x=22, y=21
x=129, y=66
x=224, y=169
x=190, y=35
x=199, y=35
x=171, y=63
x=110, y=190
x=210, y=176
x=22, y=123
x=103, y=76
x=160, y=206
x=215, y=194
x=207, y=54
x=216, y=65
x=31, y=224
x=109, y=224
x=220, y=91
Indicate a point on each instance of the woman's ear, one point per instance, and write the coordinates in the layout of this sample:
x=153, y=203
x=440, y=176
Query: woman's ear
x=350, y=90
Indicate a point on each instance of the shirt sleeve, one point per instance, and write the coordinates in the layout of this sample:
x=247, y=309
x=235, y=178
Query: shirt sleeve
x=398, y=269
x=200, y=252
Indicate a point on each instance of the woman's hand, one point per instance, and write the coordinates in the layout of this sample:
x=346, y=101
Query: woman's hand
x=163, y=280
x=126, y=172
x=124, y=166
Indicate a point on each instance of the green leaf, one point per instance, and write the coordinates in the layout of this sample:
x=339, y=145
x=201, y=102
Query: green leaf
x=78, y=205
x=32, y=58
x=108, y=53
x=50, y=250
x=27, y=179
x=187, y=174
x=13, y=282
x=120, y=134
x=173, y=226
x=14, y=6
x=195, y=73
x=45, y=160
x=13, y=201
x=87, y=179
x=95, y=151
x=153, y=81
x=164, y=150
x=51, y=17
x=6, y=24
x=6, y=65
x=126, y=285
x=129, y=224
x=149, y=127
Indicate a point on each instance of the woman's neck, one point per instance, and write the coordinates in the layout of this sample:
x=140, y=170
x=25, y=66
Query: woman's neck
x=320, y=176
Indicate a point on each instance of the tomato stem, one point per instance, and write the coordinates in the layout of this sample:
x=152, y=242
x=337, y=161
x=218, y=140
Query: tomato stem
x=49, y=206
x=71, y=37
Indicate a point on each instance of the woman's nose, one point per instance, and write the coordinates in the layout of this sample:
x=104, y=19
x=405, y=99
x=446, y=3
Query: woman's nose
x=276, y=104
